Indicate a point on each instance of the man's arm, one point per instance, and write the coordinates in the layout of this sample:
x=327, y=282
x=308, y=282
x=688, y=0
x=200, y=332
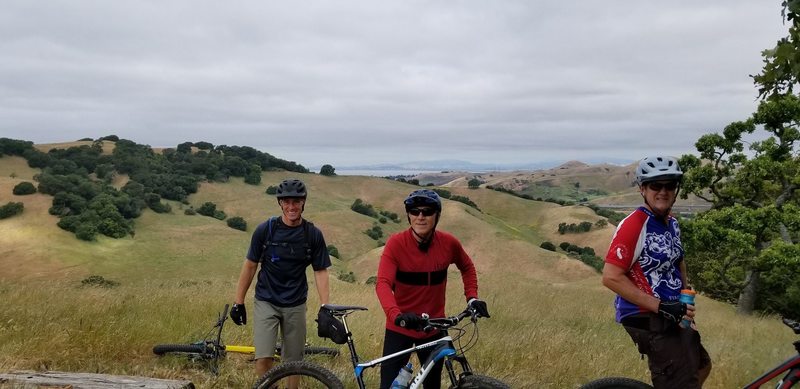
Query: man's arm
x=684, y=274
x=614, y=278
x=323, y=289
x=249, y=269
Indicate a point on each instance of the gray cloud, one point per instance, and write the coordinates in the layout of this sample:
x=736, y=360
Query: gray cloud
x=350, y=82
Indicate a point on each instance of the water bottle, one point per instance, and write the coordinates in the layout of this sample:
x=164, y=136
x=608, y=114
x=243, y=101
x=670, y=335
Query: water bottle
x=403, y=378
x=687, y=297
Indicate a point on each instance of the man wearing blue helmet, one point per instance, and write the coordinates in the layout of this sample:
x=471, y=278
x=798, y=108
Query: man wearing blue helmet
x=412, y=280
x=645, y=267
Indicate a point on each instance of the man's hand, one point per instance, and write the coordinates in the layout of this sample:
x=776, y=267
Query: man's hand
x=479, y=306
x=672, y=310
x=239, y=314
x=409, y=320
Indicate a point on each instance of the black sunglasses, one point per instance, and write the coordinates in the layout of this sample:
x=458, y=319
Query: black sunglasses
x=423, y=211
x=657, y=186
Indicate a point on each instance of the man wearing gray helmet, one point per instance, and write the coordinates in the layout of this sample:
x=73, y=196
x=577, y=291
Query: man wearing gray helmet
x=645, y=266
x=284, y=246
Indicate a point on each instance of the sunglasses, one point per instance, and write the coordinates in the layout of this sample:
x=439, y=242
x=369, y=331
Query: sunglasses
x=657, y=186
x=423, y=211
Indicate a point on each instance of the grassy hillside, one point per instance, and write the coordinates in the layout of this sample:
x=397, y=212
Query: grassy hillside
x=551, y=326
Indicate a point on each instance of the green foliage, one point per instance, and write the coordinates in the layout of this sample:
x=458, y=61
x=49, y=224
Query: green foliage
x=24, y=188
x=207, y=209
x=272, y=190
x=564, y=245
x=613, y=216
x=474, y=183
x=443, y=193
x=237, y=223
x=327, y=170
x=564, y=228
x=363, y=208
x=548, y=246
x=347, y=277
x=11, y=209
x=189, y=211
x=99, y=281
x=332, y=250
x=382, y=220
x=375, y=232
x=153, y=201
x=465, y=200
x=372, y=280
x=752, y=192
x=601, y=223
x=390, y=215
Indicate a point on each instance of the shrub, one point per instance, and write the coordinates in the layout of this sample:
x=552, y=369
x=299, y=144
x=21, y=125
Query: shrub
x=99, y=281
x=375, y=232
x=327, y=170
x=372, y=280
x=548, y=246
x=189, y=211
x=443, y=193
x=253, y=178
x=207, y=209
x=86, y=232
x=11, y=209
x=218, y=214
x=363, y=208
x=332, y=250
x=237, y=223
x=391, y=215
x=474, y=183
x=347, y=277
x=382, y=220
x=465, y=200
x=272, y=190
x=24, y=188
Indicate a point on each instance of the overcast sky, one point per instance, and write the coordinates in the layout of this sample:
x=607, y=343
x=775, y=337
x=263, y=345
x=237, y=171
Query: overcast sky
x=361, y=82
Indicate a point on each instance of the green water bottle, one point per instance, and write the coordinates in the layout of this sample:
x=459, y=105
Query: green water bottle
x=687, y=297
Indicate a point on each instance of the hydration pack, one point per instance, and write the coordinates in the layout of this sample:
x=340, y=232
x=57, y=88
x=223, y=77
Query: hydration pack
x=269, y=245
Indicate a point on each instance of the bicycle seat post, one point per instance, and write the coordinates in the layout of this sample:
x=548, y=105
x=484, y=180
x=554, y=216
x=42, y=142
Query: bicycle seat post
x=350, y=343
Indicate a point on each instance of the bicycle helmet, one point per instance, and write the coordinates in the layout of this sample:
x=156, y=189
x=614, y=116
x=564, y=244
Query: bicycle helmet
x=658, y=168
x=423, y=197
x=291, y=188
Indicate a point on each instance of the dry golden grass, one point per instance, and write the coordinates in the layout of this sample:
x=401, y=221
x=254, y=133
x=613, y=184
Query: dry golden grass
x=552, y=322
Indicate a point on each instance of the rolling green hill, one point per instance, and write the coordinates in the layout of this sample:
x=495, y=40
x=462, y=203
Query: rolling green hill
x=551, y=326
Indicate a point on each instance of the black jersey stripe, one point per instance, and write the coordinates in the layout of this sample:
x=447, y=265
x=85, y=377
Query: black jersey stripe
x=421, y=278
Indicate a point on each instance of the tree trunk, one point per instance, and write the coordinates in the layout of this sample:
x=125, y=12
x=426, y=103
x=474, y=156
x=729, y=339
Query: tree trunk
x=747, y=298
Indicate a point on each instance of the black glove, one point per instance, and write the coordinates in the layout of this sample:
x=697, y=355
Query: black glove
x=239, y=314
x=409, y=320
x=479, y=306
x=672, y=310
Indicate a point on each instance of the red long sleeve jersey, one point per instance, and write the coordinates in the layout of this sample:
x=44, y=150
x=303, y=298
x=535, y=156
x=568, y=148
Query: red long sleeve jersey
x=410, y=280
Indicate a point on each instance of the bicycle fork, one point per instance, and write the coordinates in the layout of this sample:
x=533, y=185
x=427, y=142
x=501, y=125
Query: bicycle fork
x=442, y=351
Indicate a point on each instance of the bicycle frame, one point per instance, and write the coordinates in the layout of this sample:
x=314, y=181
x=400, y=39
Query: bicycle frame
x=791, y=366
x=444, y=349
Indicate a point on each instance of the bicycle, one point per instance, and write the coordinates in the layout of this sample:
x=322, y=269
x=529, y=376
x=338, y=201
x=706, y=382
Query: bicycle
x=211, y=349
x=311, y=375
x=791, y=368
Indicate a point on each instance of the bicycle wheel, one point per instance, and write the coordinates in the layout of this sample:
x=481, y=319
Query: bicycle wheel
x=313, y=350
x=308, y=375
x=477, y=381
x=616, y=382
x=161, y=349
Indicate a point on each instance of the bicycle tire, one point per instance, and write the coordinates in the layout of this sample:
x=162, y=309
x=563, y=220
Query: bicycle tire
x=314, y=350
x=477, y=381
x=161, y=349
x=310, y=376
x=616, y=382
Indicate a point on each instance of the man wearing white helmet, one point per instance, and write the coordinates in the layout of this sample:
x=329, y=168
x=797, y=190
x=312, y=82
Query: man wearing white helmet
x=645, y=266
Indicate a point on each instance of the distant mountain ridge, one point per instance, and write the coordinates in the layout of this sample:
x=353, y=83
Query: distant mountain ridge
x=459, y=165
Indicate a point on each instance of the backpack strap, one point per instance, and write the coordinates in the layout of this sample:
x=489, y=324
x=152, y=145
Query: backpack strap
x=269, y=233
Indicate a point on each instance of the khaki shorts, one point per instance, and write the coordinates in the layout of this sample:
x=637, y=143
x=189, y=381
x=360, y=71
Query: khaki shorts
x=291, y=322
x=674, y=354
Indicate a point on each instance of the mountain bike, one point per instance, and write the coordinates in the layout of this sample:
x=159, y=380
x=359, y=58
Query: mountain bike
x=311, y=375
x=211, y=349
x=789, y=368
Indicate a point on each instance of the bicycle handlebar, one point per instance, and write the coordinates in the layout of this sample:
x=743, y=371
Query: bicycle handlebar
x=795, y=326
x=444, y=323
